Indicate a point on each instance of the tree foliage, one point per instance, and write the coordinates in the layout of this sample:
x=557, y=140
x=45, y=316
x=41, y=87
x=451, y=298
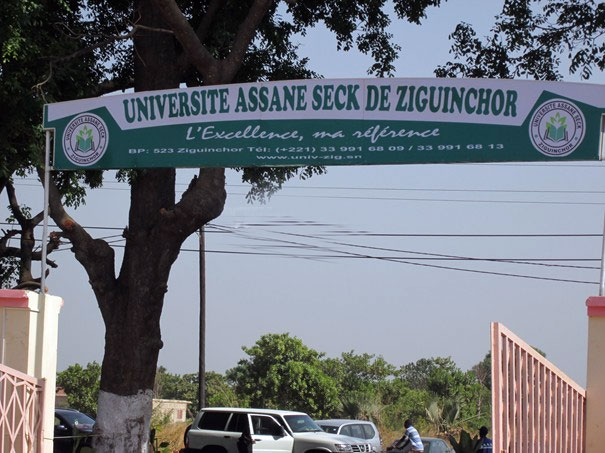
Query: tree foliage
x=219, y=393
x=452, y=393
x=535, y=39
x=81, y=386
x=358, y=377
x=35, y=39
x=281, y=372
x=176, y=387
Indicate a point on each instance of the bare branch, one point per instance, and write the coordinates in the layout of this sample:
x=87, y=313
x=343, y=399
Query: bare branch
x=35, y=220
x=10, y=252
x=3, y=181
x=53, y=244
x=15, y=252
x=38, y=86
x=37, y=256
x=109, y=86
x=107, y=41
x=103, y=43
x=7, y=235
x=14, y=204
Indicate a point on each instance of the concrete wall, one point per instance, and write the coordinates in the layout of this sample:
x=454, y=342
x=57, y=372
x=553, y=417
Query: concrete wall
x=177, y=409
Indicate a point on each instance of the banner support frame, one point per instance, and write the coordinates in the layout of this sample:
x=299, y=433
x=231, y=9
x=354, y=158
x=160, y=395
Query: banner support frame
x=46, y=209
x=602, y=141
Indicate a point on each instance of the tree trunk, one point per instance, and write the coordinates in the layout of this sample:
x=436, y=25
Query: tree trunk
x=131, y=309
x=131, y=303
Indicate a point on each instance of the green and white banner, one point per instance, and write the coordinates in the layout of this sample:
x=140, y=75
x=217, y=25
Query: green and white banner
x=331, y=122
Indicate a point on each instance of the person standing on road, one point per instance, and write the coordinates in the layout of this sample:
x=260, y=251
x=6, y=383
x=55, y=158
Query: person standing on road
x=413, y=437
x=484, y=444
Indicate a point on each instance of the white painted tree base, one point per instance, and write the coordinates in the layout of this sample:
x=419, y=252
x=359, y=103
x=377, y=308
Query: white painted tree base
x=123, y=422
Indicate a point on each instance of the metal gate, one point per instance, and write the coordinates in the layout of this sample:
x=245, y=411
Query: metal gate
x=536, y=408
x=21, y=399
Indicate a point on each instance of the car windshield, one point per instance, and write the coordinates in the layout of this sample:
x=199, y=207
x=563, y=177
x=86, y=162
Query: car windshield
x=330, y=429
x=77, y=418
x=302, y=424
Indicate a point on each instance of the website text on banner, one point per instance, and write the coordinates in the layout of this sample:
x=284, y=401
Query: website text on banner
x=332, y=122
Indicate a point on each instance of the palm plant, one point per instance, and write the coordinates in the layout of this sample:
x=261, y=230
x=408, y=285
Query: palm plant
x=465, y=444
x=443, y=418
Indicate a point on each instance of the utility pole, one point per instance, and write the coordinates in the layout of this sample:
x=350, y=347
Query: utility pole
x=201, y=391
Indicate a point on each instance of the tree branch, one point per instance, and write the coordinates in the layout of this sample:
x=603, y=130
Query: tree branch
x=15, y=252
x=7, y=235
x=37, y=218
x=206, y=22
x=244, y=36
x=202, y=31
x=10, y=252
x=109, y=86
x=202, y=202
x=4, y=241
x=14, y=204
x=95, y=255
x=105, y=42
x=3, y=181
x=198, y=55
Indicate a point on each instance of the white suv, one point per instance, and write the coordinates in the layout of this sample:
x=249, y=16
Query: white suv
x=363, y=430
x=217, y=430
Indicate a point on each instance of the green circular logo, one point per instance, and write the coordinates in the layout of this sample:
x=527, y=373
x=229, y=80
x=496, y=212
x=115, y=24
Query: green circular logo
x=557, y=128
x=85, y=139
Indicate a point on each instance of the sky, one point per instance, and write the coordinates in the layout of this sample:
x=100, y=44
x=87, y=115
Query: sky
x=308, y=262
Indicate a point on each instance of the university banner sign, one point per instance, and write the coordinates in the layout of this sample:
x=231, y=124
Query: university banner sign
x=331, y=122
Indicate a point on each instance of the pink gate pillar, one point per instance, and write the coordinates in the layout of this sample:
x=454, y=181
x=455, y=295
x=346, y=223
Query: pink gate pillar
x=28, y=344
x=595, y=376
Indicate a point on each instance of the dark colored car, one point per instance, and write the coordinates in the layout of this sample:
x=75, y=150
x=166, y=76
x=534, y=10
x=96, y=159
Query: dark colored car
x=72, y=431
x=431, y=445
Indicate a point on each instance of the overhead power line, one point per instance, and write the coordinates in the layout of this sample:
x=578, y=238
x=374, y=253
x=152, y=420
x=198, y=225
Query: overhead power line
x=467, y=235
x=426, y=256
x=385, y=189
x=396, y=260
x=367, y=234
x=436, y=255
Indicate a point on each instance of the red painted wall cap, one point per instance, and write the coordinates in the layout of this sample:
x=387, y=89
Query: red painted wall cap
x=13, y=298
x=596, y=306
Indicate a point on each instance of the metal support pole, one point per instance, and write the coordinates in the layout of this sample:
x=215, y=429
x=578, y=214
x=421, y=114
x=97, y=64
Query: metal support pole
x=202, y=344
x=45, y=223
x=602, y=285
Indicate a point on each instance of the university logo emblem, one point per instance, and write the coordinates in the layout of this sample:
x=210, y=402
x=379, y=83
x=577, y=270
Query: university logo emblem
x=557, y=128
x=85, y=139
